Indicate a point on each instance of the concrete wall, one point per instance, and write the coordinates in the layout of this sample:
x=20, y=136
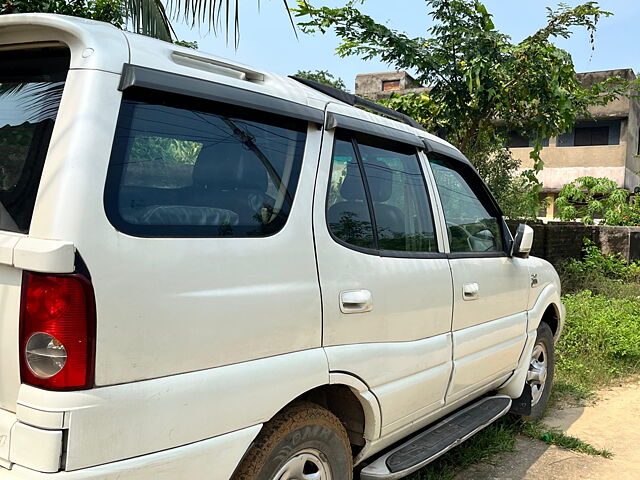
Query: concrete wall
x=632, y=175
x=565, y=164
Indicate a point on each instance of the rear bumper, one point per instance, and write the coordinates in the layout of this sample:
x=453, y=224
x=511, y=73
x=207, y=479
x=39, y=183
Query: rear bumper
x=214, y=458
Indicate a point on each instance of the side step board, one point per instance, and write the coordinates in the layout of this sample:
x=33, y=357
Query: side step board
x=437, y=440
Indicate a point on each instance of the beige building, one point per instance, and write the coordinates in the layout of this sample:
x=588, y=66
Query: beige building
x=605, y=145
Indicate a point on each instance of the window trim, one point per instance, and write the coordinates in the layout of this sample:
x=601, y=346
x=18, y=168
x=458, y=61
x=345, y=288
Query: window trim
x=376, y=251
x=112, y=186
x=150, y=78
x=367, y=192
x=336, y=120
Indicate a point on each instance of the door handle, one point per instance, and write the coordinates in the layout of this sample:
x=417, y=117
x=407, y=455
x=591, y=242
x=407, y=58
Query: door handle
x=470, y=291
x=356, y=301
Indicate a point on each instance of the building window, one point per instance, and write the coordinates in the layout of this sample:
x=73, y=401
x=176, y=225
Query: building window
x=390, y=85
x=587, y=136
x=516, y=140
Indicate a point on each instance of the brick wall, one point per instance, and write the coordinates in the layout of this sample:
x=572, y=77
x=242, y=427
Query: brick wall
x=559, y=241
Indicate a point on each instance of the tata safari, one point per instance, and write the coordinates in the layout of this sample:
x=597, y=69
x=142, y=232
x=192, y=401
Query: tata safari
x=210, y=271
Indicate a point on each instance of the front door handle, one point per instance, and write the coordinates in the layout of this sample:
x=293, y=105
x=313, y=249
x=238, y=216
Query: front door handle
x=470, y=291
x=356, y=301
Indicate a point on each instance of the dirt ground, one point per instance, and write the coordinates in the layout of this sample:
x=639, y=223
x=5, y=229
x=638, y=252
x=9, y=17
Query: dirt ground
x=612, y=422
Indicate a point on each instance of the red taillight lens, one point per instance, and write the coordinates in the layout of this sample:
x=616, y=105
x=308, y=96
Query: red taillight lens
x=57, y=331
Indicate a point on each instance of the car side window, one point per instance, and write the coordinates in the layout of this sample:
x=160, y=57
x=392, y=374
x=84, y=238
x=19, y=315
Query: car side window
x=187, y=168
x=393, y=190
x=348, y=213
x=471, y=223
x=400, y=201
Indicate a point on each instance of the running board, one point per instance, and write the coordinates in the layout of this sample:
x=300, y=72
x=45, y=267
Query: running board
x=437, y=440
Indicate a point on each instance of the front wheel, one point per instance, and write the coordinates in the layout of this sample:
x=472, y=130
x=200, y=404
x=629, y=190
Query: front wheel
x=303, y=442
x=541, y=370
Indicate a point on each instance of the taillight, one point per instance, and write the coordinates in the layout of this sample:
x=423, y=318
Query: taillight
x=57, y=331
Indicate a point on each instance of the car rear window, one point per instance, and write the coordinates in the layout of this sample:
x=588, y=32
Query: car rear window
x=183, y=167
x=31, y=85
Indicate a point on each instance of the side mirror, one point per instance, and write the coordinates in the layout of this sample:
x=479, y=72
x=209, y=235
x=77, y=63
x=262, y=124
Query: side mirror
x=523, y=242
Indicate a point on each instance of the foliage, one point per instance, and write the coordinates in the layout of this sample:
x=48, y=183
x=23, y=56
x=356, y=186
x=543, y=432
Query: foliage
x=608, y=275
x=590, y=197
x=166, y=150
x=480, y=83
x=601, y=340
x=184, y=43
x=323, y=76
x=110, y=11
x=608, y=266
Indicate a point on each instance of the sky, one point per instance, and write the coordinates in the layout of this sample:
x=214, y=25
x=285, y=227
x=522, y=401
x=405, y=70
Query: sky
x=267, y=40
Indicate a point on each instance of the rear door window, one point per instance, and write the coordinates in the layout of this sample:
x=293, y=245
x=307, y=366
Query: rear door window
x=31, y=86
x=348, y=212
x=399, y=195
x=181, y=167
x=378, y=198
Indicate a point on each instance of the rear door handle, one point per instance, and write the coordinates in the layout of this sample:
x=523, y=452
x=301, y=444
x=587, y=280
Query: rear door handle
x=356, y=301
x=470, y=291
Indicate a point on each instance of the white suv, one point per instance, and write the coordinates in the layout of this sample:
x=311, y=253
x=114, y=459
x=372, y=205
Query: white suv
x=211, y=271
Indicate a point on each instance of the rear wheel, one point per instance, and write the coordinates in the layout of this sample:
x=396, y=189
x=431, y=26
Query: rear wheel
x=303, y=442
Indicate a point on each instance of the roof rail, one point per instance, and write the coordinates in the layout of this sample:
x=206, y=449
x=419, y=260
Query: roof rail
x=356, y=101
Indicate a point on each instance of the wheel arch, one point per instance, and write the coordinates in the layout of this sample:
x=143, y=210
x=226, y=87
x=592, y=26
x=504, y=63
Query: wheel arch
x=548, y=309
x=351, y=401
x=551, y=317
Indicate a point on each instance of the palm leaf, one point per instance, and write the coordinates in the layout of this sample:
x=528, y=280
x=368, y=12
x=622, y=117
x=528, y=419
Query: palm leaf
x=11, y=88
x=38, y=100
x=149, y=17
x=217, y=14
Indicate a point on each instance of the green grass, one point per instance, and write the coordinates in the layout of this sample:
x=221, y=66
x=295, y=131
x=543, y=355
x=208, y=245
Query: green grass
x=600, y=343
x=552, y=436
x=564, y=393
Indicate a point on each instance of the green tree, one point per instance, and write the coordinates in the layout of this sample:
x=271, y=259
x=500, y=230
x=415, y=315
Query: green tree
x=481, y=84
x=110, y=11
x=323, y=76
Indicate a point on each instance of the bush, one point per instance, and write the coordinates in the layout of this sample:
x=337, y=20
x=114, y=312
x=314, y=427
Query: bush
x=587, y=198
x=602, y=274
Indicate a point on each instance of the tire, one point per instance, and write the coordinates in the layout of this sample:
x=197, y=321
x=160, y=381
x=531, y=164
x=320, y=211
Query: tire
x=305, y=438
x=542, y=355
